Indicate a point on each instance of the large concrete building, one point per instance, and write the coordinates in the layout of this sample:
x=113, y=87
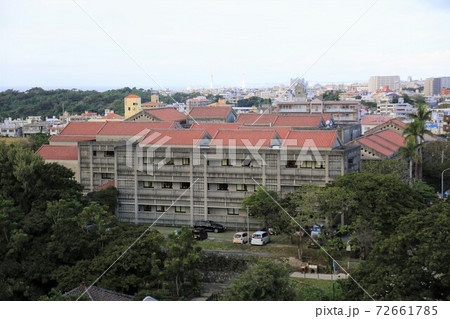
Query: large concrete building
x=433, y=86
x=378, y=82
x=175, y=175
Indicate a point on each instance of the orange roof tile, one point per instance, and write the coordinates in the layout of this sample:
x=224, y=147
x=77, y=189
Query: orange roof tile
x=210, y=112
x=166, y=114
x=132, y=96
x=256, y=118
x=392, y=137
x=82, y=128
x=321, y=139
x=174, y=137
x=299, y=120
x=70, y=138
x=212, y=128
x=386, y=142
x=399, y=123
x=374, y=119
x=112, y=116
x=106, y=185
x=131, y=128
x=244, y=138
x=58, y=152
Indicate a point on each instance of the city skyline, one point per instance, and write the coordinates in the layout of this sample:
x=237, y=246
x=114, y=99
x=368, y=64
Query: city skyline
x=59, y=44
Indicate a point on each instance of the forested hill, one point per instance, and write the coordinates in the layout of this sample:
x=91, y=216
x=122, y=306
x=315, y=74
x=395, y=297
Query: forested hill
x=37, y=101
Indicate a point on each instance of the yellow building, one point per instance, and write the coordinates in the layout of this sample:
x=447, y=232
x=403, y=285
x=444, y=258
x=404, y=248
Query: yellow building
x=220, y=103
x=132, y=105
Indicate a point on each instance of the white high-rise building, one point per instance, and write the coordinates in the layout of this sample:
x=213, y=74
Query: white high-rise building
x=379, y=82
x=433, y=86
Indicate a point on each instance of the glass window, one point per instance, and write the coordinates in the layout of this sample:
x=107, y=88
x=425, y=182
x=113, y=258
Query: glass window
x=226, y=162
x=145, y=208
x=148, y=184
x=107, y=176
x=180, y=209
x=320, y=165
x=222, y=187
x=185, y=160
x=233, y=211
x=185, y=185
x=109, y=154
x=160, y=208
x=306, y=164
x=169, y=161
x=291, y=164
x=241, y=187
x=167, y=185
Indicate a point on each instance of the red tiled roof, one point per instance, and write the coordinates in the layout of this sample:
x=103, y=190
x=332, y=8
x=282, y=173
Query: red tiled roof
x=256, y=118
x=374, y=119
x=210, y=112
x=82, y=128
x=106, y=185
x=386, y=142
x=70, y=138
x=282, y=131
x=132, y=96
x=173, y=137
x=58, y=152
x=212, y=128
x=112, y=116
x=131, y=128
x=399, y=123
x=244, y=138
x=322, y=139
x=299, y=120
x=327, y=117
x=152, y=104
x=166, y=114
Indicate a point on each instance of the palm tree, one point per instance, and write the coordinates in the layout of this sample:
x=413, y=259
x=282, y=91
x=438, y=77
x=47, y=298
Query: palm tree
x=409, y=152
x=416, y=130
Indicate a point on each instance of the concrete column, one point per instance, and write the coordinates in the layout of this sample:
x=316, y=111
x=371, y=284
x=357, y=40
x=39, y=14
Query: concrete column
x=136, y=206
x=205, y=185
x=327, y=168
x=263, y=169
x=91, y=168
x=279, y=172
x=191, y=188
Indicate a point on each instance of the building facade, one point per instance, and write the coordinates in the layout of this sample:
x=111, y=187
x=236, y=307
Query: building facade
x=378, y=82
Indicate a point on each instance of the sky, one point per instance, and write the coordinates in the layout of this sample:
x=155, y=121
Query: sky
x=157, y=44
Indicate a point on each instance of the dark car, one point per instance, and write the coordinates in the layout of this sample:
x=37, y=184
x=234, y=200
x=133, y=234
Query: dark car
x=209, y=225
x=199, y=234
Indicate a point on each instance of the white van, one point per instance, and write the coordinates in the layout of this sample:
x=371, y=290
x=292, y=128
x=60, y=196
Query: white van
x=260, y=237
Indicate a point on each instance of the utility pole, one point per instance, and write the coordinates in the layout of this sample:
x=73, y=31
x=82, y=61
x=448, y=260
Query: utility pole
x=442, y=182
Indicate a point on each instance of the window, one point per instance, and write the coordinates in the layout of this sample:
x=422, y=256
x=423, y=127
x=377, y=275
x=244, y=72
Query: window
x=185, y=161
x=222, y=187
x=160, y=208
x=129, y=108
x=233, y=211
x=291, y=164
x=107, y=176
x=350, y=162
x=148, y=184
x=145, y=208
x=185, y=185
x=180, y=209
x=306, y=164
x=320, y=165
x=146, y=160
x=169, y=161
x=226, y=162
x=241, y=187
x=109, y=154
x=167, y=185
x=134, y=103
x=94, y=153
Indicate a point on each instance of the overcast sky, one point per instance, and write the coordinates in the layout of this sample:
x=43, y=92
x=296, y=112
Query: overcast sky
x=179, y=44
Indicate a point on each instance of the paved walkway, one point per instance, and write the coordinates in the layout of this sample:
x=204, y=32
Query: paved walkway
x=318, y=276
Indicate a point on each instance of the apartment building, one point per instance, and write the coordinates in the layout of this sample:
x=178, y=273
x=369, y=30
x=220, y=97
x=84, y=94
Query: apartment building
x=378, y=82
x=433, y=86
x=341, y=111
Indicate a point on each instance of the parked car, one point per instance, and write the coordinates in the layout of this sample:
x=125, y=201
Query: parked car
x=316, y=230
x=260, y=237
x=199, y=234
x=240, y=238
x=209, y=225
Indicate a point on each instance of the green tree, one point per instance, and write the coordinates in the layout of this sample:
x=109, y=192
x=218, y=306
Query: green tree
x=37, y=140
x=263, y=205
x=264, y=281
x=107, y=197
x=411, y=263
x=409, y=153
x=395, y=166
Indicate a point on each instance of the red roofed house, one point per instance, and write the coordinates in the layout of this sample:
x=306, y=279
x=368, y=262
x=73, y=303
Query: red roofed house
x=257, y=119
x=212, y=115
x=212, y=128
x=62, y=154
x=380, y=145
x=166, y=114
x=370, y=121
